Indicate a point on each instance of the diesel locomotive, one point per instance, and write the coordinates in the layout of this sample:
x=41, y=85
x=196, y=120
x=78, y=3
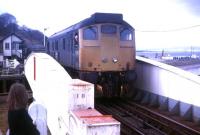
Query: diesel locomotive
x=99, y=49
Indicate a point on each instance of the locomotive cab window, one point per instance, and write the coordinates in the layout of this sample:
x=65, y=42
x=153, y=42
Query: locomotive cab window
x=90, y=33
x=126, y=34
x=108, y=29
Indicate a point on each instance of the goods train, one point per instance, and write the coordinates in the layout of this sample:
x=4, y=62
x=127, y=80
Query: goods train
x=99, y=49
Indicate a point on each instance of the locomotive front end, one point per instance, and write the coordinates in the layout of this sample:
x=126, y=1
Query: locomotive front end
x=107, y=55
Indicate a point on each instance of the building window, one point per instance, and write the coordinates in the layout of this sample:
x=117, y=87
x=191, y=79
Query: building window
x=7, y=46
x=20, y=46
x=16, y=46
x=90, y=33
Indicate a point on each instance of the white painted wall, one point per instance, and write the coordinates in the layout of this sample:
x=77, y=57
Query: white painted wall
x=49, y=82
x=56, y=91
x=168, y=81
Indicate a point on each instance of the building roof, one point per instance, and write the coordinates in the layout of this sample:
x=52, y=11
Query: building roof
x=3, y=38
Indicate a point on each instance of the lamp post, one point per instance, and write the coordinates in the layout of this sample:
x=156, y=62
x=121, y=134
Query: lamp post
x=44, y=36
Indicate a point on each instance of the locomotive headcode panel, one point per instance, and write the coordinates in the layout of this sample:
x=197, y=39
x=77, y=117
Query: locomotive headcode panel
x=99, y=49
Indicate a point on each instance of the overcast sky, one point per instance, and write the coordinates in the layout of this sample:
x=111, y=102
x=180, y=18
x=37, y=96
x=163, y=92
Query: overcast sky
x=158, y=23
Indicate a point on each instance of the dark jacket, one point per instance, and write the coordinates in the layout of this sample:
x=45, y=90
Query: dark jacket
x=20, y=123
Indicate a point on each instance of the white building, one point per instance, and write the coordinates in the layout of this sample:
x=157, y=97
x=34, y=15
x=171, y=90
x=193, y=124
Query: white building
x=11, y=46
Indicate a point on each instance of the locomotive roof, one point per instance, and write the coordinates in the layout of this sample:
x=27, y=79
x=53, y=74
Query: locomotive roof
x=95, y=19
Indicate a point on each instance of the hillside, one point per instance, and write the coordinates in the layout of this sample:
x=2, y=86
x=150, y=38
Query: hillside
x=8, y=25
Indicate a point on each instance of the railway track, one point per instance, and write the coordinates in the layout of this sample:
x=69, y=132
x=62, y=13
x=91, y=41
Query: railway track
x=130, y=123
x=175, y=126
x=139, y=120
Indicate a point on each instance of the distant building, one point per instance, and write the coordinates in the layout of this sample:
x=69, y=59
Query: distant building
x=14, y=49
x=14, y=46
x=11, y=46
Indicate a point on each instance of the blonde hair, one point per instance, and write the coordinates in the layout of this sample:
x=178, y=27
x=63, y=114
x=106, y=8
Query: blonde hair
x=17, y=97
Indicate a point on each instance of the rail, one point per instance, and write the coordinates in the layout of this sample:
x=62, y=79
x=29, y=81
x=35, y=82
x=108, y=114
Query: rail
x=130, y=123
x=157, y=122
x=173, y=126
x=126, y=127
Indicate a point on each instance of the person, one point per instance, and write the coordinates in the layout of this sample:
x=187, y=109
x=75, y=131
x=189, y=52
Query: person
x=19, y=121
x=38, y=113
